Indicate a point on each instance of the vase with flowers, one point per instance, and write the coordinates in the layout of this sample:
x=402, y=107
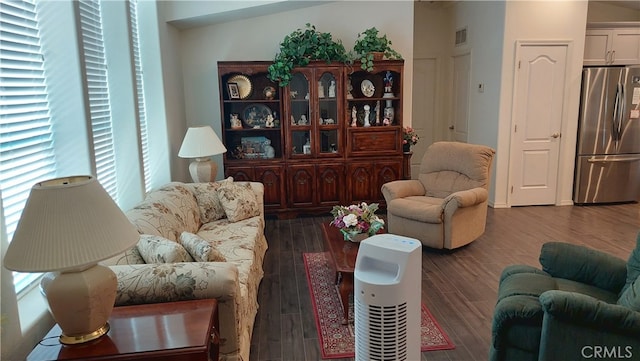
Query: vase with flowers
x=357, y=219
x=409, y=138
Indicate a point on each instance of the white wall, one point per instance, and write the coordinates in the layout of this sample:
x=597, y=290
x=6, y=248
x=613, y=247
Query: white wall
x=542, y=20
x=484, y=21
x=258, y=38
x=434, y=36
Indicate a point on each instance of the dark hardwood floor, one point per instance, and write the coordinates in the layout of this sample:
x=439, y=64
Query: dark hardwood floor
x=458, y=287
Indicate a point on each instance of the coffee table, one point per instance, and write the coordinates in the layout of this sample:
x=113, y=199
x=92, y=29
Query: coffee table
x=343, y=258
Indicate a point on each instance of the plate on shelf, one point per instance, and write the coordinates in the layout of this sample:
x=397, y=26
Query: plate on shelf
x=367, y=88
x=255, y=115
x=244, y=85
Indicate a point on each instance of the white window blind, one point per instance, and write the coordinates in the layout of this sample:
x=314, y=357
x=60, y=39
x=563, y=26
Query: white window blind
x=26, y=142
x=140, y=103
x=96, y=79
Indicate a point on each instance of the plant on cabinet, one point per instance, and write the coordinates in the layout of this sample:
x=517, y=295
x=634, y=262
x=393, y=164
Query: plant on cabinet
x=368, y=43
x=301, y=47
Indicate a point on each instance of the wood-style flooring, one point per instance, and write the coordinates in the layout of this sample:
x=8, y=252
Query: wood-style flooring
x=458, y=287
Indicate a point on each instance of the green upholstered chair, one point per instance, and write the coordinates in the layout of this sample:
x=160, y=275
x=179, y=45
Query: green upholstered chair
x=583, y=304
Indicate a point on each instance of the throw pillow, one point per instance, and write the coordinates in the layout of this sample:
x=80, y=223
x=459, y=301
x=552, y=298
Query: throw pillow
x=238, y=200
x=156, y=249
x=200, y=249
x=208, y=200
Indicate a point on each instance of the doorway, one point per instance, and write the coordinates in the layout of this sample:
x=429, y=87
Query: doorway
x=459, y=126
x=537, y=117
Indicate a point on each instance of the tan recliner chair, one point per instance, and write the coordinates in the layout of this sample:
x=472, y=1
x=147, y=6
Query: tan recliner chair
x=446, y=207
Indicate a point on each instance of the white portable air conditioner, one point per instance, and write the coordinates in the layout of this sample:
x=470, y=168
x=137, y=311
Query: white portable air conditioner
x=387, y=298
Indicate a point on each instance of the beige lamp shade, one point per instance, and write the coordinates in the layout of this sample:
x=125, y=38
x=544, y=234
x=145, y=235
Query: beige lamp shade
x=68, y=223
x=200, y=142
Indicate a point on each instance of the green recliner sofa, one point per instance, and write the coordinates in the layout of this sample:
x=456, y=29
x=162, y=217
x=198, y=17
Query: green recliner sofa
x=583, y=305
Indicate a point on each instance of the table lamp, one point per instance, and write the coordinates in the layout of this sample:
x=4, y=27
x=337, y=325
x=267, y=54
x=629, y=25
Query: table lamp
x=67, y=226
x=201, y=143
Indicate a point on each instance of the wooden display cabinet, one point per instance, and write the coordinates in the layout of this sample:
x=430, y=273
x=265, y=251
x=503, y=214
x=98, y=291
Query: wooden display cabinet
x=335, y=140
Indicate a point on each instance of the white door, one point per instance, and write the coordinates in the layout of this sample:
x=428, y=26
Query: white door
x=537, y=120
x=459, y=126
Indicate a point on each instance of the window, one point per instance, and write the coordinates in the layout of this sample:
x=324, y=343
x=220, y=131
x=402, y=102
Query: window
x=26, y=142
x=97, y=88
x=140, y=103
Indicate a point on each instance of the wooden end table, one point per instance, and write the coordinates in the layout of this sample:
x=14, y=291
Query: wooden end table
x=343, y=257
x=172, y=331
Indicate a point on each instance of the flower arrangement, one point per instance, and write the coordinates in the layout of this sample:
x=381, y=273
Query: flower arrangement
x=409, y=136
x=357, y=218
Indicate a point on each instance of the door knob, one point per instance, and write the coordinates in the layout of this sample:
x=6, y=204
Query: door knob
x=555, y=135
x=452, y=127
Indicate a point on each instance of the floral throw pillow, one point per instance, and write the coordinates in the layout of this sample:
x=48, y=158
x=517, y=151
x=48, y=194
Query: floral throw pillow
x=156, y=249
x=208, y=200
x=200, y=249
x=238, y=200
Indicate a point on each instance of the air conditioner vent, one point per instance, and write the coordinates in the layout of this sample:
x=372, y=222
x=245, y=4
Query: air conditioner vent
x=461, y=36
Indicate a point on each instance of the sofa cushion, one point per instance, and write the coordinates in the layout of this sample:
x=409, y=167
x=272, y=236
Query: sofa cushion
x=180, y=201
x=208, y=201
x=156, y=219
x=417, y=208
x=130, y=256
x=630, y=297
x=633, y=266
x=238, y=200
x=448, y=167
x=156, y=249
x=200, y=249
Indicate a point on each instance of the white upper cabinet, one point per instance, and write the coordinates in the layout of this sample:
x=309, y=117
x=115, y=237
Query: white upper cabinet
x=612, y=46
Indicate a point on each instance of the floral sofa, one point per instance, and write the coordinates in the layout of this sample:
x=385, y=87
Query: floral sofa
x=199, y=240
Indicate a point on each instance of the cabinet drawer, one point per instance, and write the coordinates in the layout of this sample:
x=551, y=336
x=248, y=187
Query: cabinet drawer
x=373, y=141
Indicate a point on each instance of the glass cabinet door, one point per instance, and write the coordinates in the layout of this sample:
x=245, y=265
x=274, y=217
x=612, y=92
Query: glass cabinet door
x=315, y=112
x=300, y=116
x=328, y=113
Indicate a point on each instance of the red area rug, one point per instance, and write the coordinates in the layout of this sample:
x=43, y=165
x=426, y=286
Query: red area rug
x=337, y=340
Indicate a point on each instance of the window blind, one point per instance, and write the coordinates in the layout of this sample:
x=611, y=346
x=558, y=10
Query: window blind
x=97, y=87
x=26, y=142
x=140, y=103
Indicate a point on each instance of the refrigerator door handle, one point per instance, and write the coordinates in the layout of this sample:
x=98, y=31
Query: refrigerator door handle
x=617, y=159
x=617, y=115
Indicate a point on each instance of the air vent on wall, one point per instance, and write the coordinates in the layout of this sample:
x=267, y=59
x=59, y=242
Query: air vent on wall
x=461, y=36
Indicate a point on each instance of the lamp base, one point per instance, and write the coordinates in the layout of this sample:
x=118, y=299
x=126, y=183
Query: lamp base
x=73, y=340
x=203, y=170
x=81, y=301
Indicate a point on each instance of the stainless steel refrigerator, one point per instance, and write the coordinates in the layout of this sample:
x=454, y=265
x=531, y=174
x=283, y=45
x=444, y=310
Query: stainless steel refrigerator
x=608, y=149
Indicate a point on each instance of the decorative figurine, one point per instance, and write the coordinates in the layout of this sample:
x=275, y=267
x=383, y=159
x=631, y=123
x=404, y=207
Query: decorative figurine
x=349, y=89
x=303, y=120
x=293, y=121
x=388, y=113
x=269, y=121
x=388, y=85
x=269, y=92
x=332, y=89
x=269, y=151
x=366, y=115
x=377, y=110
x=306, y=148
x=320, y=90
x=235, y=122
x=354, y=117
